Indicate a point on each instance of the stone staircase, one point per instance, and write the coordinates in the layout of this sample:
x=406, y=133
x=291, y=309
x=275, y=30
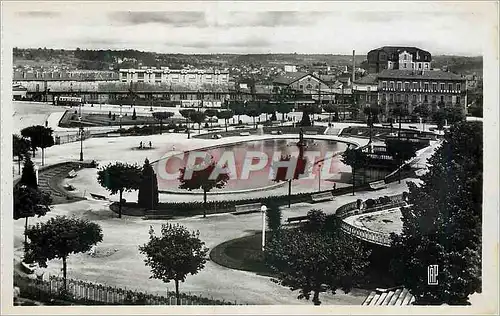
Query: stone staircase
x=396, y=296
x=50, y=178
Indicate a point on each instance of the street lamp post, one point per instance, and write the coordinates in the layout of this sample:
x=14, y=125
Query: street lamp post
x=121, y=116
x=81, y=138
x=36, y=173
x=319, y=175
x=263, y=210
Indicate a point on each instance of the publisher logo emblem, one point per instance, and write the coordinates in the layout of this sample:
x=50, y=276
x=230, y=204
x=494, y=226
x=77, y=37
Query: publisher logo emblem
x=432, y=273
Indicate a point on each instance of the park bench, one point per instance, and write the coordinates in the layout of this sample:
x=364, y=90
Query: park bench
x=386, y=124
x=244, y=134
x=324, y=196
x=311, y=133
x=378, y=185
x=72, y=174
x=413, y=127
x=98, y=197
x=297, y=219
x=218, y=136
x=247, y=208
x=274, y=132
x=157, y=216
x=114, y=134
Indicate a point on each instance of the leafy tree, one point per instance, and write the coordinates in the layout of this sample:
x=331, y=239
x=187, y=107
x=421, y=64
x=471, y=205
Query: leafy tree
x=330, y=109
x=40, y=137
x=315, y=261
x=238, y=109
x=134, y=115
x=28, y=177
x=476, y=109
x=454, y=114
x=28, y=202
x=211, y=113
x=59, y=237
x=174, y=255
x=300, y=168
x=225, y=115
x=442, y=222
x=160, y=116
x=198, y=118
x=439, y=117
x=401, y=150
x=316, y=220
x=148, y=187
x=372, y=116
x=186, y=113
x=267, y=108
x=253, y=110
x=423, y=111
x=211, y=176
x=283, y=108
x=21, y=147
x=355, y=158
x=273, y=117
x=109, y=114
x=119, y=177
x=400, y=111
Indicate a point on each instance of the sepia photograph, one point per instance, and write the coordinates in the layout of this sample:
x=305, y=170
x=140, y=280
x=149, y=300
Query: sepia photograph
x=266, y=157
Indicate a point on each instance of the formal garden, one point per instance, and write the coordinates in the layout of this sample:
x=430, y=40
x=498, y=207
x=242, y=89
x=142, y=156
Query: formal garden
x=181, y=243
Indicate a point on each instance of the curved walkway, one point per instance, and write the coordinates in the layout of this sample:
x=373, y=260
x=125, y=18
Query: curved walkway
x=50, y=180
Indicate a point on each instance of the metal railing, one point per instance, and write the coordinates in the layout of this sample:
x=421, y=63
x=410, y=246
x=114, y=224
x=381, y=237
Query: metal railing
x=351, y=209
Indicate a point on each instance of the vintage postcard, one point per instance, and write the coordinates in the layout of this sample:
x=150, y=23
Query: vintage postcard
x=249, y=157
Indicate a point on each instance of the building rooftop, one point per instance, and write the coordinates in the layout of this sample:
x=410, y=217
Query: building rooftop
x=168, y=70
x=65, y=76
x=413, y=74
x=368, y=79
x=289, y=77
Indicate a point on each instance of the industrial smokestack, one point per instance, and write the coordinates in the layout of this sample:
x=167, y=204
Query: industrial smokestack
x=353, y=65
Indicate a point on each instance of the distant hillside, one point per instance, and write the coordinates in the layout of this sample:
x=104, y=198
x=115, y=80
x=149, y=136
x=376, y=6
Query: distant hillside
x=460, y=64
x=115, y=59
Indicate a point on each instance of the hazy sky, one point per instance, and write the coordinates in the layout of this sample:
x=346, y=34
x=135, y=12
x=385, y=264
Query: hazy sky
x=320, y=27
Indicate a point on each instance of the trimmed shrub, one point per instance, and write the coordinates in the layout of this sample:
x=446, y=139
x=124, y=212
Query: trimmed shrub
x=369, y=203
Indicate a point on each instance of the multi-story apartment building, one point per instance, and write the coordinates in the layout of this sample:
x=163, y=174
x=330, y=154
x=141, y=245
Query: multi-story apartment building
x=190, y=77
x=433, y=88
x=364, y=91
x=396, y=57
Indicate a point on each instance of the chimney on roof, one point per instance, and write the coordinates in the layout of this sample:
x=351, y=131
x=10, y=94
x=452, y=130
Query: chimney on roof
x=353, y=65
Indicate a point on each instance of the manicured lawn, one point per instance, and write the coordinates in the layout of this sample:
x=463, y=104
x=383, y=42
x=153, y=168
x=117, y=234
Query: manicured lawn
x=242, y=254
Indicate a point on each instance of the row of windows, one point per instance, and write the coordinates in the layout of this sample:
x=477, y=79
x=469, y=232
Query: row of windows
x=172, y=79
x=426, y=98
x=158, y=76
x=416, y=85
x=405, y=65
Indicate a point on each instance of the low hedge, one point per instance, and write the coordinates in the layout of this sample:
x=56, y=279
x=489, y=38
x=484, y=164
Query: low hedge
x=148, y=129
x=217, y=207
